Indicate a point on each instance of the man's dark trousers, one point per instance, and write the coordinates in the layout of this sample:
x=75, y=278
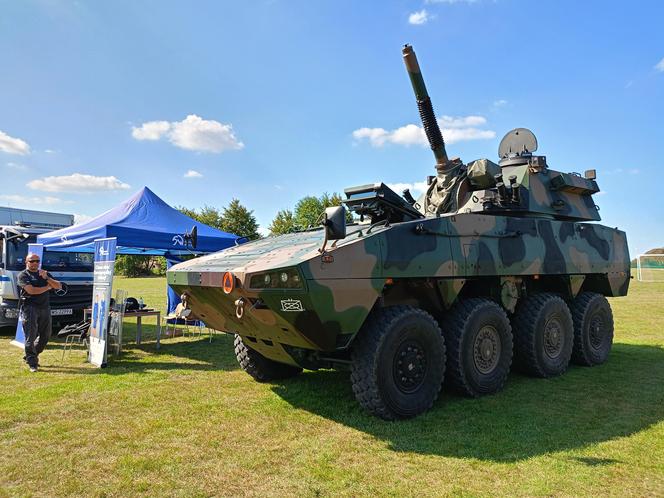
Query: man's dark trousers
x=37, y=330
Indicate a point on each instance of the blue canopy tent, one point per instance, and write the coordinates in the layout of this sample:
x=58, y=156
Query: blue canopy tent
x=143, y=225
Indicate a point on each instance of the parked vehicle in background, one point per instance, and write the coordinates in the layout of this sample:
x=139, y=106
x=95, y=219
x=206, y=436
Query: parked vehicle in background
x=20, y=227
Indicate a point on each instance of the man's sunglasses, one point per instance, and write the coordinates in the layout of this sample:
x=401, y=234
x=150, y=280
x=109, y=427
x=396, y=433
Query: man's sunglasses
x=33, y=261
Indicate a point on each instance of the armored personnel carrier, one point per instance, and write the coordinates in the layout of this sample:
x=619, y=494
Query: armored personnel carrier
x=495, y=265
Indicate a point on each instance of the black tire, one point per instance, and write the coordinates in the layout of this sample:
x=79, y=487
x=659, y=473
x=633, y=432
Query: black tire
x=543, y=335
x=478, y=337
x=258, y=366
x=398, y=362
x=593, y=329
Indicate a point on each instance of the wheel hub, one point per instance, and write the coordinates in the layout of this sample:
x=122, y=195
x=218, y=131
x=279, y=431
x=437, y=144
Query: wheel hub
x=410, y=366
x=596, y=331
x=553, y=338
x=486, y=350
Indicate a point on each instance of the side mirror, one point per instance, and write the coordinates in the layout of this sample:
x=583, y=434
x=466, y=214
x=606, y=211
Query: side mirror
x=335, y=223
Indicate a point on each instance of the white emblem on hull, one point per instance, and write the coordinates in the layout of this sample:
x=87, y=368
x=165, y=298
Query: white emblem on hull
x=291, y=305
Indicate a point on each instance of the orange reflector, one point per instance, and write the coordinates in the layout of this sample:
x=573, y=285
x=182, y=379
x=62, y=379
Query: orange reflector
x=536, y=277
x=389, y=281
x=228, y=282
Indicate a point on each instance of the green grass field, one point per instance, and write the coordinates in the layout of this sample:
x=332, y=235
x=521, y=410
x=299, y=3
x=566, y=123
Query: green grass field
x=186, y=421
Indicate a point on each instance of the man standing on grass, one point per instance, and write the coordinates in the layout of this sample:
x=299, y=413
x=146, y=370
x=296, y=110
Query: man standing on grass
x=35, y=308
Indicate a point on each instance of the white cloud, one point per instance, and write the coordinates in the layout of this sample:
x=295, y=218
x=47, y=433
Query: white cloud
x=416, y=189
x=12, y=145
x=192, y=174
x=27, y=202
x=152, y=130
x=17, y=166
x=454, y=129
x=500, y=103
x=419, y=17
x=77, y=183
x=660, y=66
x=50, y=151
x=81, y=218
x=192, y=133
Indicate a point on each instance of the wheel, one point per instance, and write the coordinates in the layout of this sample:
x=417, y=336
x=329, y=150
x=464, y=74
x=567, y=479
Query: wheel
x=258, y=366
x=543, y=335
x=593, y=329
x=398, y=362
x=478, y=337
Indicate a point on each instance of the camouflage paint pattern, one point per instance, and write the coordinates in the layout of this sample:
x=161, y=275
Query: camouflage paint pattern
x=339, y=291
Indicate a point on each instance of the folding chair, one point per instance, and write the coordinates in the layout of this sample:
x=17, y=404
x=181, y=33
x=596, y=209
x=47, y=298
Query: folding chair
x=75, y=334
x=180, y=314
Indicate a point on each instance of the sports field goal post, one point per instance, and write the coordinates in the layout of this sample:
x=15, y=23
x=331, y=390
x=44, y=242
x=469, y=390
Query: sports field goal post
x=650, y=267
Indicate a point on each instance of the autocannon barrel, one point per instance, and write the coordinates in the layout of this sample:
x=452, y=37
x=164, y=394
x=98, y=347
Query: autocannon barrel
x=429, y=122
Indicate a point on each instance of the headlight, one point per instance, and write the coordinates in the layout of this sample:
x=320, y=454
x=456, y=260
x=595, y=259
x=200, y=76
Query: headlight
x=279, y=279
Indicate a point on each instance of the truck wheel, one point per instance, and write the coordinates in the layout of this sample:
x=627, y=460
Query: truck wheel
x=543, y=335
x=478, y=336
x=593, y=329
x=398, y=362
x=259, y=367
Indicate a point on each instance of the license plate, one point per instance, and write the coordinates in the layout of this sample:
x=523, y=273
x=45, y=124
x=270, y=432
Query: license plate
x=60, y=312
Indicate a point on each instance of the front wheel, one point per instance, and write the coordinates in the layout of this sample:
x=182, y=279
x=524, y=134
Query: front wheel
x=398, y=362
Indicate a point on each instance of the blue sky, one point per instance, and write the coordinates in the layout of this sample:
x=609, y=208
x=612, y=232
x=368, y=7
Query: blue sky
x=269, y=101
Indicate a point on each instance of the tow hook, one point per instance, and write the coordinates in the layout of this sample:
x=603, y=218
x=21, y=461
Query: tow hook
x=239, y=308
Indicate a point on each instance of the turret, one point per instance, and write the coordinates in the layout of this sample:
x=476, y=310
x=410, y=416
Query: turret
x=523, y=184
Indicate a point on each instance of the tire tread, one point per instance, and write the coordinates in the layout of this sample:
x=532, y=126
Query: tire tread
x=455, y=326
x=365, y=358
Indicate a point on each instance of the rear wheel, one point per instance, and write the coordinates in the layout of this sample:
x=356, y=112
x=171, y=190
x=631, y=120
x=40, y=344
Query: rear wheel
x=478, y=336
x=258, y=366
x=398, y=362
x=593, y=329
x=543, y=335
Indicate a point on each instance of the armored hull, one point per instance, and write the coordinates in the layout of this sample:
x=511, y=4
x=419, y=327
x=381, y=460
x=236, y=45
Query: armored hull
x=430, y=260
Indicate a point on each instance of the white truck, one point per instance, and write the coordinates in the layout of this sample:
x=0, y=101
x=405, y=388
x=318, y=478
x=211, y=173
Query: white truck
x=20, y=227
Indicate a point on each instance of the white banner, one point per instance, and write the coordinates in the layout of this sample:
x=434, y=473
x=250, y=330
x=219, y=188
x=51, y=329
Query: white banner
x=101, y=299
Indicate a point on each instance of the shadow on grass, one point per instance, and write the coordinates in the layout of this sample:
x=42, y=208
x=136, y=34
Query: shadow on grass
x=206, y=355
x=530, y=417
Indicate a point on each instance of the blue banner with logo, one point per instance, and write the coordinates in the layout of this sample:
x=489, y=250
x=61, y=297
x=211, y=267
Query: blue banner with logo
x=101, y=299
x=19, y=340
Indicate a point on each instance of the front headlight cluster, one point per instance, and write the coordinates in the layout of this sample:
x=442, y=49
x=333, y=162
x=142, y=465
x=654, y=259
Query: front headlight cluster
x=278, y=279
